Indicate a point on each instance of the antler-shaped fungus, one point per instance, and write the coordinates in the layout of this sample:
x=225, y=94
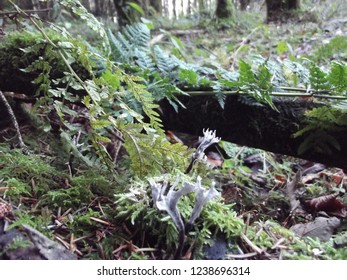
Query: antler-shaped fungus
x=169, y=202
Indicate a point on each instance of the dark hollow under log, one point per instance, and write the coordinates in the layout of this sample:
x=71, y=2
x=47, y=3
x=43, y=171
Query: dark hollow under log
x=244, y=123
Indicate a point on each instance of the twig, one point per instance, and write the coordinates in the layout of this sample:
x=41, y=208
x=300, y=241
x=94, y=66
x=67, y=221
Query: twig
x=14, y=122
x=241, y=256
x=290, y=189
x=278, y=244
x=274, y=93
x=254, y=247
x=244, y=42
x=9, y=13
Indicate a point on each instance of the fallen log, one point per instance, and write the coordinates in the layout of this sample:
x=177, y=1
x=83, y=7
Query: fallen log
x=245, y=123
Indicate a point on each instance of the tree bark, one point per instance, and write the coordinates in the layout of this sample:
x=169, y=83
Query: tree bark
x=280, y=10
x=243, y=123
x=125, y=14
x=157, y=5
x=225, y=9
x=174, y=8
x=122, y=17
x=244, y=4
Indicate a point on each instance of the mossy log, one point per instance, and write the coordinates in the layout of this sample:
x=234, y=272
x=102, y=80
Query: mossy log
x=240, y=121
x=245, y=123
x=15, y=57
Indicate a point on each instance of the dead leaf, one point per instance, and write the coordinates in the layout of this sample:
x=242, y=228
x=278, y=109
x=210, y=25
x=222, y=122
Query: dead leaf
x=214, y=159
x=291, y=188
x=171, y=136
x=310, y=177
x=328, y=204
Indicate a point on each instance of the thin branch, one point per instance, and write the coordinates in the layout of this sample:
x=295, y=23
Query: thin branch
x=13, y=120
x=244, y=42
x=275, y=93
x=10, y=13
x=254, y=247
x=19, y=96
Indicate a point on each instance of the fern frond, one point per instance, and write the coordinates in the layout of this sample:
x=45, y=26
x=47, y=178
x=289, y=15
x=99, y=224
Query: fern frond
x=318, y=78
x=338, y=77
x=151, y=153
x=165, y=65
x=145, y=61
x=118, y=49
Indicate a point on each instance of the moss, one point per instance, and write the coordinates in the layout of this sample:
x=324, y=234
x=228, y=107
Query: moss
x=335, y=49
x=26, y=174
x=19, y=50
x=98, y=184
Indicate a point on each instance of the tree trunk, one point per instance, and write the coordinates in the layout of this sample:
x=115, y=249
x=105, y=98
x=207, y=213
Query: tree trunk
x=174, y=8
x=125, y=13
x=122, y=17
x=86, y=4
x=157, y=6
x=280, y=10
x=189, y=8
x=201, y=4
x=244, y=4
x=255, y=126
x=225, y=9
x=166, y=8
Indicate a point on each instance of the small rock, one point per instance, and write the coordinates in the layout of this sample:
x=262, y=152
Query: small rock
x=322, y=228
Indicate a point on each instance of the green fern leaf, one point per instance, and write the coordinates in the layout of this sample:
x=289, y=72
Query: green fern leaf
x=338, y=77
x=318, y=78
x=190, y=76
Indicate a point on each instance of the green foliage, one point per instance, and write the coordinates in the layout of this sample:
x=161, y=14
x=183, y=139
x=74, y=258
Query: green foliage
x=125, y=47
x=16, y=189
x=153, y=154
x=17, y=243
x=223, y=217
x=318, y=78
x=82, y=222
x=338, y=77
x=265, y=235
x=35, y=64
x=322, y=123
x=26, y=174
x=117, y=89
x=256, y=83
x=73, y=196
x=101, y=97
x=24, y=218
x=335, y=49
x=309, y=249
x=78, y=9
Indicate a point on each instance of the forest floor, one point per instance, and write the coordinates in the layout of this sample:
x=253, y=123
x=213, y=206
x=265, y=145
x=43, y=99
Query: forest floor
x=291, y=208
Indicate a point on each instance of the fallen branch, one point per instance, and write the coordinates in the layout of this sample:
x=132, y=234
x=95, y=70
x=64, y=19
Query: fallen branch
x=11, y=13
x=290, y=189
x=14, y=122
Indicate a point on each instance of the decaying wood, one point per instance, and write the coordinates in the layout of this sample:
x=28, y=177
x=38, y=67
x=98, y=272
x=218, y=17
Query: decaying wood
x=242, y=122
x=35, y=246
